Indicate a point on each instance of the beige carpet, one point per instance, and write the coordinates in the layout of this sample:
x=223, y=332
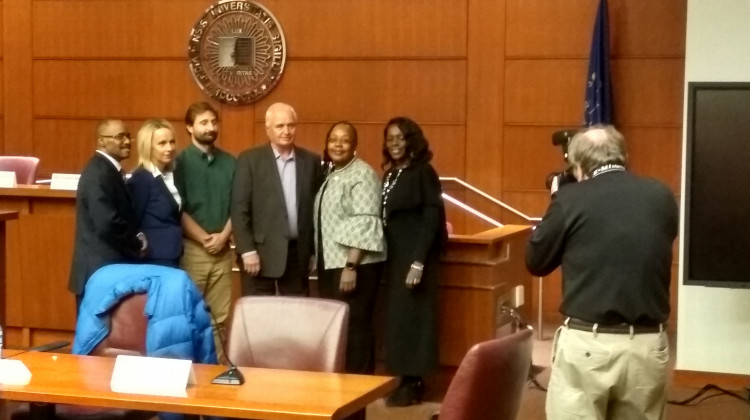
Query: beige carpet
x=378, y=411
x=532, y=403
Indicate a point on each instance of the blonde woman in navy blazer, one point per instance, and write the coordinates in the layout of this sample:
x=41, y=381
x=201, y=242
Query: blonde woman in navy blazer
x=156, y=202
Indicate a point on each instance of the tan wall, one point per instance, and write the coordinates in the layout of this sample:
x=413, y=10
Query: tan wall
x=489, y=80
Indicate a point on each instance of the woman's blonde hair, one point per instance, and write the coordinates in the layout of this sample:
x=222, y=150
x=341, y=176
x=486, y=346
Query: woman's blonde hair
x=145, y=139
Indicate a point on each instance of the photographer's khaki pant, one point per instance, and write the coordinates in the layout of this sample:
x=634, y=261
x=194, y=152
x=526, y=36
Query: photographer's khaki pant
x=607, y=376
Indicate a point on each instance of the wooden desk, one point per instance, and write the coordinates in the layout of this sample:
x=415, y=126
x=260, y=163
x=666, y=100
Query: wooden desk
x=39, y=246
x=266, y=394
x=5, y=215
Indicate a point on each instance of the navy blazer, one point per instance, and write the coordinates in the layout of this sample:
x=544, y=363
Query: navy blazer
x=157, y=215
x=105, y=224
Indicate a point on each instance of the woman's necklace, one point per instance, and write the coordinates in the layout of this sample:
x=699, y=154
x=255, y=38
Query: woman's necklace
x=387, y=187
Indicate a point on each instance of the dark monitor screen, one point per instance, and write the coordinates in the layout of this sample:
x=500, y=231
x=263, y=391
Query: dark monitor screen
x=717, y=185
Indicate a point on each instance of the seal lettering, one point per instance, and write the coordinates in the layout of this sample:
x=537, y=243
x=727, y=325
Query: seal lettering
x=237, y=51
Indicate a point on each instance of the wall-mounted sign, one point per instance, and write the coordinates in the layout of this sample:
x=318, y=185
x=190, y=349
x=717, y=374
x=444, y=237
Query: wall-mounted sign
x=237, y=51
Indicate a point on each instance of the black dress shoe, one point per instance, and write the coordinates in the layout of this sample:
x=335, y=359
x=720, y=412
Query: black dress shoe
x=408, y=393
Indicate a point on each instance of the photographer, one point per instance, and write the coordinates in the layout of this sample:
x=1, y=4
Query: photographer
x=612, y=232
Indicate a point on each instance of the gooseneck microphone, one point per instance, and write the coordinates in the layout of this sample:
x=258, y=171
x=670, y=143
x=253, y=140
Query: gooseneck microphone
x=232, y=376
x=43, y=348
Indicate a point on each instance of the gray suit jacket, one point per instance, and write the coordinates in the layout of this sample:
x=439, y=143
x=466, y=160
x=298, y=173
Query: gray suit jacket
x=258, y=212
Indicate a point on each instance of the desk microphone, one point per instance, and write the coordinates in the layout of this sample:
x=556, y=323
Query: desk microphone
x=232, y=376
x=43, y=348
x=50, y=346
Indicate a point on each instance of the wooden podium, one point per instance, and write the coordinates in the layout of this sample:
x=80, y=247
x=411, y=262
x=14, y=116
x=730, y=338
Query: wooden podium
x=481, y=273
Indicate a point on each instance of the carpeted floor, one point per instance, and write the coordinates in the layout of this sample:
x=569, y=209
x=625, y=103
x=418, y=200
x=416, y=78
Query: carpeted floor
x=532, y=404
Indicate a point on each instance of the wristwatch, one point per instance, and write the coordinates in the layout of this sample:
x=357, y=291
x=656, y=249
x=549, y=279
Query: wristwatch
x=350, y=265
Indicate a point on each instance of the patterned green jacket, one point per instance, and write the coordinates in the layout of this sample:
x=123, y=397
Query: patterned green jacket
x=350, y=215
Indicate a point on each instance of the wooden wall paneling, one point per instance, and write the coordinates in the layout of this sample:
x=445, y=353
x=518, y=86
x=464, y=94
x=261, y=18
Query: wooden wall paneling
x=54, y=309
x=1, y=28
x=309, y=135
x=540, y=28
x=65, y=145
x=551, y=296
x=485, y=87
x=2, y=65
x=2, y=102
x=113, y=28
x=366, y=90
x=448, y=143
x=376, y=28
x=135, y=89
x=648, y=91
x=446, y=140
x=655, y=152
x=341, y=29
x=563, y=29
x=529, y=156
x=547, y=92
x=532, y=202
x=629, y=23
x=453, y=214
x=237, y=128
x=17, y=80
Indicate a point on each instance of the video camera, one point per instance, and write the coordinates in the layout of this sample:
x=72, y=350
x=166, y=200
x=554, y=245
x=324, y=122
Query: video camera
x=562, y=138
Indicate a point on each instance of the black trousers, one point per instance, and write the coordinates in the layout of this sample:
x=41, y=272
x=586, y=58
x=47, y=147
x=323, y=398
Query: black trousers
x=294, y=281
x=360, y=344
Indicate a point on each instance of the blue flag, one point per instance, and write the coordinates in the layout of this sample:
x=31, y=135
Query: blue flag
x=597, y=108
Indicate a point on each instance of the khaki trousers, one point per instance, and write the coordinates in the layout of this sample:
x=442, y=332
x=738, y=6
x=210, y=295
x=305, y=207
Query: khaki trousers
x=607, y=376
x=212, y=275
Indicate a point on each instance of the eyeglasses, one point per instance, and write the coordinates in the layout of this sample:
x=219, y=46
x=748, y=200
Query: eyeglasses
x=119, y=136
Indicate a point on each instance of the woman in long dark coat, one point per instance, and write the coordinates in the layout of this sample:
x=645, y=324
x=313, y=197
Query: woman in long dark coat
x=415, y=231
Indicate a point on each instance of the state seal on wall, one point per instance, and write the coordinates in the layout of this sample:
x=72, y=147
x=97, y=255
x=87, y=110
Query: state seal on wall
x=237, y=51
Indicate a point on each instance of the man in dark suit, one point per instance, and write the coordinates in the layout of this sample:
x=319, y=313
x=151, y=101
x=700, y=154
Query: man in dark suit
x=106, y=231
x=272, y=206
x=612, y=232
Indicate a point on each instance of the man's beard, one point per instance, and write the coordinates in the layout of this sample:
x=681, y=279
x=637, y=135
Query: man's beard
x=207, y=138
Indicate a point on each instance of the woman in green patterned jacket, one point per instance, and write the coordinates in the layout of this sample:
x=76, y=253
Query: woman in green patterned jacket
x=349, y=241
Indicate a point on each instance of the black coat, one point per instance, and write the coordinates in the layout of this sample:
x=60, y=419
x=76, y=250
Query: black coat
x=105, y=223
x=415, y=231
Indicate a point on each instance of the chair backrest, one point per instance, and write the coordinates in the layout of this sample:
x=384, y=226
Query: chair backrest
x=127, y=333
x=489, y=382
x=23, y=166
x=289, y=333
